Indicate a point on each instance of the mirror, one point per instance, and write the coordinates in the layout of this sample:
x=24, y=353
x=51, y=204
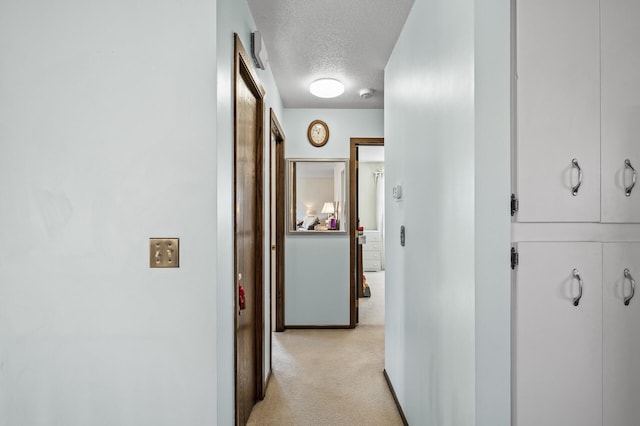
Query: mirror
x=317, y=196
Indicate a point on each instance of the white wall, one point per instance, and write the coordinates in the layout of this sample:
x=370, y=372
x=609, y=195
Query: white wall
x=367, y=195
x=235, y=16
x=446, y=313
x=311, y=194
x=492, y=192
x=340, y=190
x=317, y=266
x=107, y=138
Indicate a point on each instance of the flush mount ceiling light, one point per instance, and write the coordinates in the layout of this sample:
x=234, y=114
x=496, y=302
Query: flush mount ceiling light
x=326, y=88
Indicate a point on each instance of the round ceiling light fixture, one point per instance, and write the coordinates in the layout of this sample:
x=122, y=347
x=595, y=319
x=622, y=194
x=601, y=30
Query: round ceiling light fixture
x=326, y=88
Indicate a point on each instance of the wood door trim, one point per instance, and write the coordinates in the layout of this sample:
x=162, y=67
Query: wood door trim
x=243, y=69
x=276, y=130
x=353, y=221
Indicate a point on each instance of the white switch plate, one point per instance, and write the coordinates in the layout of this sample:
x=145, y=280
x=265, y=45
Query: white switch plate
x=397, y=192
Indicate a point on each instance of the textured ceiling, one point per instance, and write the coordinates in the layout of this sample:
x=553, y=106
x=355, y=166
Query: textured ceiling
x=350, y=40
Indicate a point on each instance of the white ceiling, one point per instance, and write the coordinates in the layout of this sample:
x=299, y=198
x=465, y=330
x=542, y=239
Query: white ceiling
x=350, y=40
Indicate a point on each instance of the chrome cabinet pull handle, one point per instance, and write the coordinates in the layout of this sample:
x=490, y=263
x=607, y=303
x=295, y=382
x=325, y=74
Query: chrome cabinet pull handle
x=628, y=276
x=627, y=165
x=575, y=165
x=576, y=300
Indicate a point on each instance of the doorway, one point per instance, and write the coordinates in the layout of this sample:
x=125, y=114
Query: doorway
x=277, y=221
x=357, y=283
x=248, y=234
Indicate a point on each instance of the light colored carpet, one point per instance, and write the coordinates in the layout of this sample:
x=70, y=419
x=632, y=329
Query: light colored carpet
x=330, y=377
x=372, y=308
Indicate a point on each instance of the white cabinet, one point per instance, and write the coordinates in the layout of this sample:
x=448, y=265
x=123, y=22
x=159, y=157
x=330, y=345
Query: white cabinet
x=577, y=96
x=576, y=365
x=620, y=109
x=372, y=252
x=621, y=354
x=558, y=110
x=558, y=346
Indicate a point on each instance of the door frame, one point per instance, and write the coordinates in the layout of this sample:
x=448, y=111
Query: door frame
x=243, y=70
x=353, y=223
x=277, y=246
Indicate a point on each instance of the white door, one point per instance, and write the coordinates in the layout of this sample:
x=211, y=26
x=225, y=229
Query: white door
x=620, y=109
x=558, y=110
x=557, y=345
x=621, y=335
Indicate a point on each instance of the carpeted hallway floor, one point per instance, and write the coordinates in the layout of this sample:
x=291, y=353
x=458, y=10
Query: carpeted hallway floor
x=331, y=377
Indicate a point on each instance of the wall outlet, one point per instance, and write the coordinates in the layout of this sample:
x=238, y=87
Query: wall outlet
x=164, y=252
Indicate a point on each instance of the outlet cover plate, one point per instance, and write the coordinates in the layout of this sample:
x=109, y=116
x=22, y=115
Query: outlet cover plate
x=164, y=252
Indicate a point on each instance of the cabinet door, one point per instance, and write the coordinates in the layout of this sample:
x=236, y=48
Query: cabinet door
x=558, y=346
x=621, y=336
x=558, y=110
x=620, y=109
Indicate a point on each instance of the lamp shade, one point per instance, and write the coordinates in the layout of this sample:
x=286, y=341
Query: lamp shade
x=328, y=208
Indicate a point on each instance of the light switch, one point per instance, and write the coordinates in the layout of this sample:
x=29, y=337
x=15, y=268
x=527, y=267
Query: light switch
x=397, y=192
x=164, y=252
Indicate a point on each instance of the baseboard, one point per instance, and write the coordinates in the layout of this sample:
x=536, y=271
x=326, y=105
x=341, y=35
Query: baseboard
x=266, y=385
x=316, y=327
x=395, y=398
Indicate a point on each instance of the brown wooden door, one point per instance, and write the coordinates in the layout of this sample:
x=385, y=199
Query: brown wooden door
x=248, y=237
x=359, y=272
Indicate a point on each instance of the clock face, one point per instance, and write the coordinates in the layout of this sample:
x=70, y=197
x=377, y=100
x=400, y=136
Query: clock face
x=318, y=133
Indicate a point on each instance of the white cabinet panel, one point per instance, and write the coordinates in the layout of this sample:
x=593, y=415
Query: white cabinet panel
x=370, y=255
x=372, y=252
x=558, y=346
x=621, y=355
x=620, y=108
x=373, y=236
x=558, y=109
x=372, y=246
x=371, y=266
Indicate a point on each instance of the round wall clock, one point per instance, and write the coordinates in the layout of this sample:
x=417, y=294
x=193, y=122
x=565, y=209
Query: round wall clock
x=318, y=133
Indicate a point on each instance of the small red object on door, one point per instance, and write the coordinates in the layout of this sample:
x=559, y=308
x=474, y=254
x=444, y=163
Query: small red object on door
x=241, y=299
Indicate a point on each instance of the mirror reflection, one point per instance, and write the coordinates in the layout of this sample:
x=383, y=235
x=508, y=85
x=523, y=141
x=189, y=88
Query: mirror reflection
x=317, y=195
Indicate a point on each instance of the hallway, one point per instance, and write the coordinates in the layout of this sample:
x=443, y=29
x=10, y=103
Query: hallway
x=331, y=377
x=118, y=127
